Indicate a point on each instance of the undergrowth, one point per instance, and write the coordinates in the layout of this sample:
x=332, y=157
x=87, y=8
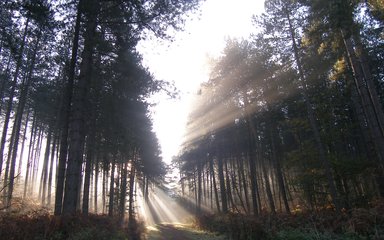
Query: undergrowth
x=326, y=224
x=49, y=227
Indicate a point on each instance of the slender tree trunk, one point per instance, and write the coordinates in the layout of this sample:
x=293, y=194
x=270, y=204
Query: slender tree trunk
x=369, y=80
x=52, y=163
x=87, y=176
x=268, y=188
x=228, y=186
x=104, y=183
x=223, y=192
x=4, y=81
x=23, y=142
x=244, y=183
x=77, y=133
x=29, y=159
x=44, y=173
x=199, y=188
x=11, y=95
x=314, y=126
x=36, y=157
x=123, y=190
x=18, y=118
x=117, y=187
x=112, y=189
x=145, y=188
x=131, y=191
x=65, y=113
x=96, y=185
x=253, y=174
x=279, y=172
x=370, y=102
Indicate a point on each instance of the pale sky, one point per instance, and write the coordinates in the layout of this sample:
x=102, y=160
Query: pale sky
x=184, y=62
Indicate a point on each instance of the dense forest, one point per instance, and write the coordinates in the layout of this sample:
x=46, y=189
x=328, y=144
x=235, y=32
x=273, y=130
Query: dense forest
x=291, y=121
x=76, y=132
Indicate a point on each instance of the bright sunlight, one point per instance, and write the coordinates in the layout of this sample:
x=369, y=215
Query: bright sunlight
x=185, y=62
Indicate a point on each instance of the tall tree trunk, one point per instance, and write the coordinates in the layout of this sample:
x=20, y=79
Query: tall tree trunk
x=312, y=120
x=29, y=159
x=131, y=214
x=77, y=133
x=147, y=188
x=370, y=102
x=244, y=183
x=123, y=190
x=228, y=186
x=104, y=185
x=4, y=81
x=112, y=189
x=268, y=188
x=223, y=192
x=36, y=158
x=96, y=185
x=88, y=169
x=199, y=188
x=52, y=163
x=11, y=94
x=19, y=115
x=44, y=173
x=253, y=175
x=20, y=163
x=276, y=162
x=65, y=113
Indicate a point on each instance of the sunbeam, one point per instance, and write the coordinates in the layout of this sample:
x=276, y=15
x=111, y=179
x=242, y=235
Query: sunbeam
x=160, y=208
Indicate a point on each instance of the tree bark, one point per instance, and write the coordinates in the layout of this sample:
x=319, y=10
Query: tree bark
x=268, y=188
x=223, y=192
x=279, y=172
x=123, y=192
x=112, y=189
x=253, y=174
x=312, y=120
x=19, y=116
x=199, y=188
x=29, y=159
x=50, y=175
x=20, y=163
x=77, y=127
x=131, y=191
x=65, y=113
x=11, y=95
x=44, y=173
x=212, y=170
x=87, y=176
x=370, y=103
x=96, y=184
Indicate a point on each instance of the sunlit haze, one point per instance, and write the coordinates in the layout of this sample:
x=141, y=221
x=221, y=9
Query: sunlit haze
x=184, y=61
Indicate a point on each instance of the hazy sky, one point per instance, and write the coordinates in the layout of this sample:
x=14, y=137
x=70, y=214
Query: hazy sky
x=184, y=62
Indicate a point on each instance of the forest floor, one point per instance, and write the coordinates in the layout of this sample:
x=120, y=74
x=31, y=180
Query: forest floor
x=30, y=221
x=176, y=231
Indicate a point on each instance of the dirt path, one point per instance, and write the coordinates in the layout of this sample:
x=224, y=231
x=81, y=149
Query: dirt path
x=178, y=232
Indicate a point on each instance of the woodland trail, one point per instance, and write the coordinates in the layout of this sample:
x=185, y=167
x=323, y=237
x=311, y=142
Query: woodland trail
x=166, y=219
x=171, y=231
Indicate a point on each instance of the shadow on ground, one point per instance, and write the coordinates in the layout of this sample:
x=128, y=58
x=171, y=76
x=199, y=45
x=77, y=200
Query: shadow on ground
x=167, y=231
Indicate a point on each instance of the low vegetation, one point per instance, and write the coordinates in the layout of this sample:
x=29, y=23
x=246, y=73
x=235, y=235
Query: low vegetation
x=356, y=224
x=77, y=227
x=28, y=220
